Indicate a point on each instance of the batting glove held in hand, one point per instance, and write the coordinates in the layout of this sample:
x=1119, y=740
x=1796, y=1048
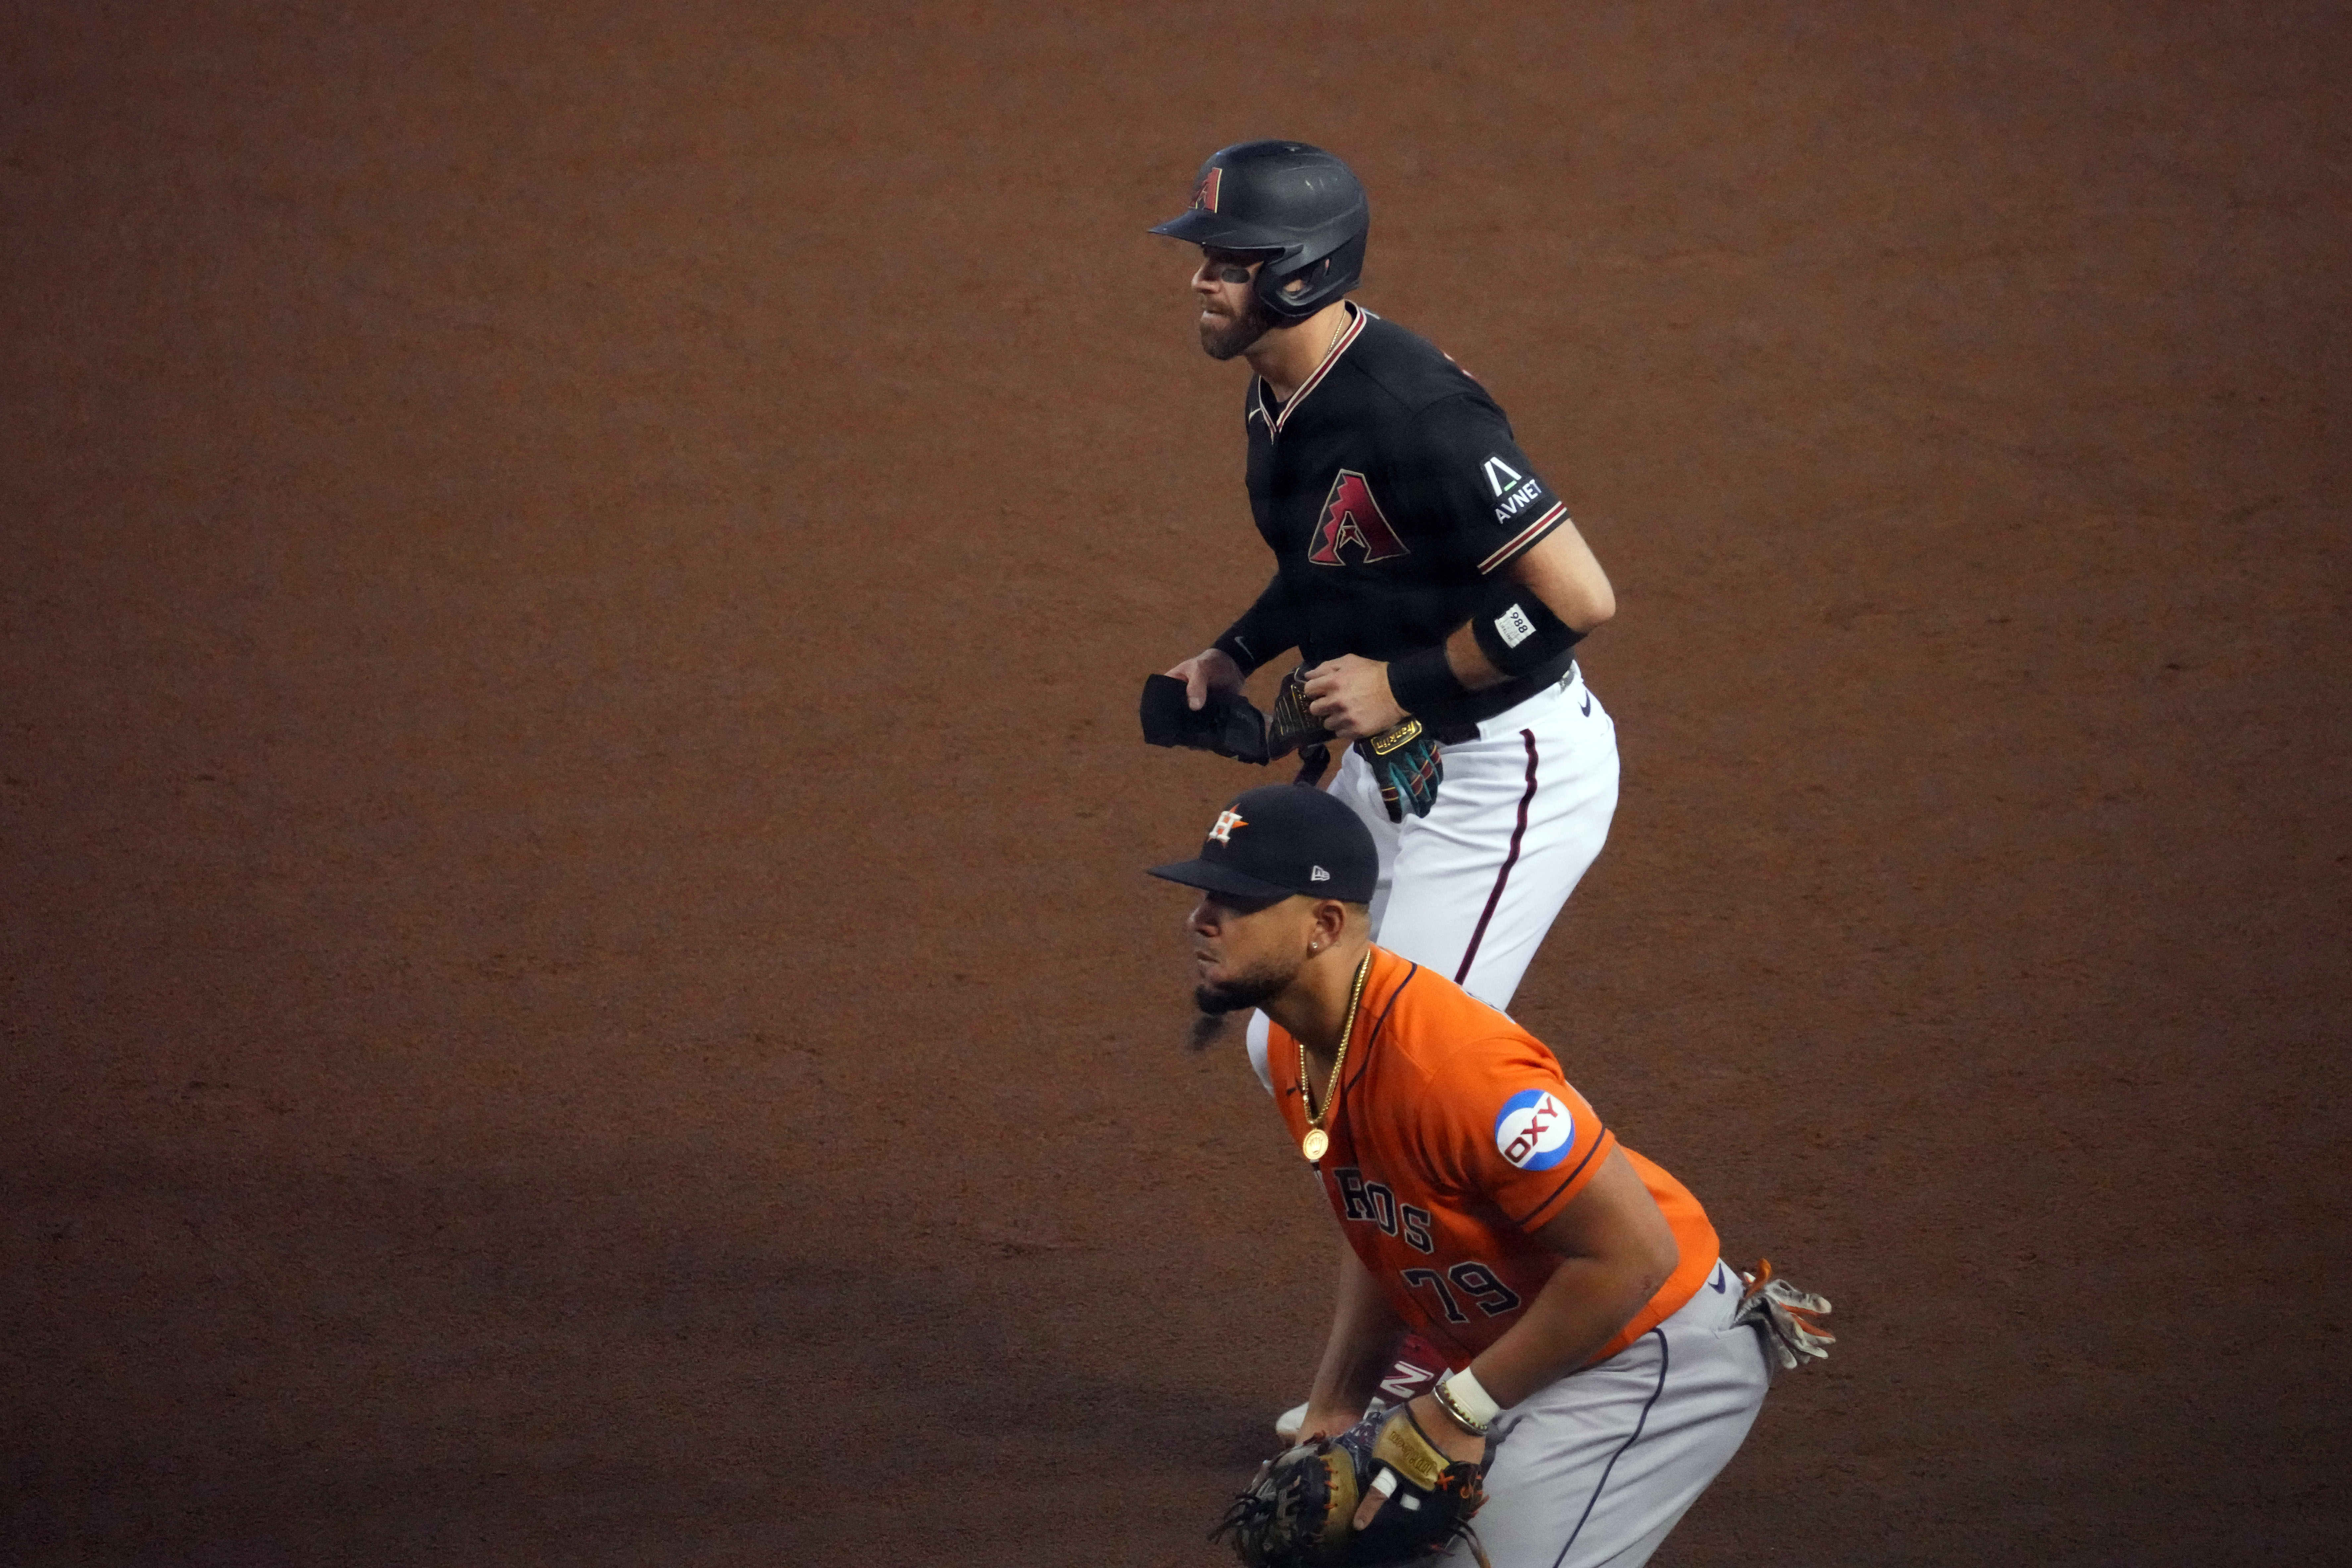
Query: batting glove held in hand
x=1300, y=1511
x=1404, y=762
x=1226, y=723
x=1791, y=1318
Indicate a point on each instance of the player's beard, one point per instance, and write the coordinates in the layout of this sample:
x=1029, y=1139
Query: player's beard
x=1219, y=1002
x=1224, y=337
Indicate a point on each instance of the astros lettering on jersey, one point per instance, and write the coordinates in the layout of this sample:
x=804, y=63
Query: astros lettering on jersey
x=1454, y=1139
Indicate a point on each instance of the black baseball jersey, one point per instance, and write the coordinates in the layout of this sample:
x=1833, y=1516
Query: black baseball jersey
x=1388, y=486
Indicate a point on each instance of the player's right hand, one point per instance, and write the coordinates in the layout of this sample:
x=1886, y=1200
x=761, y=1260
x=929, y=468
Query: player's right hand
x=1211, y=670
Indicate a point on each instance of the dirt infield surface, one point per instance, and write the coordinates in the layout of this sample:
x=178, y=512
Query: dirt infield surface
x=576, y=983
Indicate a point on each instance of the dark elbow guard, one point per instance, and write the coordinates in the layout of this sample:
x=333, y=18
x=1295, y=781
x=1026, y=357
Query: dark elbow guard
x=1517, y=631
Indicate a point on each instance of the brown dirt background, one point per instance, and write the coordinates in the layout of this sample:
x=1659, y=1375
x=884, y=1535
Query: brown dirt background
x=577, y=987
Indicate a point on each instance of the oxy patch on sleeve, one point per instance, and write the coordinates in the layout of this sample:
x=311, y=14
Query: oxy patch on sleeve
x=1534, y=1130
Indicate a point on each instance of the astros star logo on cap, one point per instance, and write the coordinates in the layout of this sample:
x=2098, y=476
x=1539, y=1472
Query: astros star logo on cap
x=1226, y=822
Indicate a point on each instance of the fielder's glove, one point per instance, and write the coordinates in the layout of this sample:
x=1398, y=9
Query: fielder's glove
x=1290, y=725
x=1405, y=762
x=1291, y=728
x=1300, y=1512
x=1403, y=759
x=1791, y=1318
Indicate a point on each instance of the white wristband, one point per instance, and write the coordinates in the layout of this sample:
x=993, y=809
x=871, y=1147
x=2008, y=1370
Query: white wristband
x=1472, y=1399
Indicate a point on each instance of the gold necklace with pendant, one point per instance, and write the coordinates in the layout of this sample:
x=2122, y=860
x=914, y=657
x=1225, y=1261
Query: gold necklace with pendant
x=1317, y=1143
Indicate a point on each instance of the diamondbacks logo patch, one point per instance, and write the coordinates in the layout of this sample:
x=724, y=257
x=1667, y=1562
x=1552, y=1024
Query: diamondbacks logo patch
x=1534, y=1130
x=1351, y=517
x=1204, y=195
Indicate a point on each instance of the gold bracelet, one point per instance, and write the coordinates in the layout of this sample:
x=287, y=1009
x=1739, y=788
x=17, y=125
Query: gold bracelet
x=1455, y=1412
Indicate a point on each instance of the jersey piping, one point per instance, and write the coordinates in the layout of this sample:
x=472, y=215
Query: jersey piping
x=1525, y=537
x=1354, y=329
x=1641, y=1424
x=1365, y=1055
x=1607, y=1141
x=1503, y=877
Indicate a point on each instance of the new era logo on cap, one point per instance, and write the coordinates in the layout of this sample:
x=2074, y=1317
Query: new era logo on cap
x=1284, y=840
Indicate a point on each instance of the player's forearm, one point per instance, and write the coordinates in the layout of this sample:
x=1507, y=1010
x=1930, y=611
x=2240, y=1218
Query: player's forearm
x=1364, y=1328
x=1430, y=683
x=1469, y=664
x=1269, y=626
x=1563, y=574
x=1549, y=599
x=1583, y=1305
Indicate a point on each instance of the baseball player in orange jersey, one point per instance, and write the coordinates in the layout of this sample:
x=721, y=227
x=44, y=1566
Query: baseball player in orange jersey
x=1604, y=1362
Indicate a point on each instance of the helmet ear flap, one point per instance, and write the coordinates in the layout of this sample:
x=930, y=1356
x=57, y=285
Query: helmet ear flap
x=1325, y=279
x=1284, y=294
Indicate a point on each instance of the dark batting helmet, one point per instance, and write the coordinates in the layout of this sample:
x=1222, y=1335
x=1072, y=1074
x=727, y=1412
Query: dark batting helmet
x=1297, y=208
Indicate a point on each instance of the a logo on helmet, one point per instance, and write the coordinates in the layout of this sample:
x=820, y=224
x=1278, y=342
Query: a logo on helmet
x=1350, y=516
x=1204, y=195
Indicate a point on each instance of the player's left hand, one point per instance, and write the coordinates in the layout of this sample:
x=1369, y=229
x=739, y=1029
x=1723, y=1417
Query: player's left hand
x=1350, y=695
x=1423, y=1417
x=1464, y=1447
x=1447, y=1437
x=1404, y=1498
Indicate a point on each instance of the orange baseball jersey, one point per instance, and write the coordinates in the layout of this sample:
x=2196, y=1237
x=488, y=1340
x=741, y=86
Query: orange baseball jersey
x=1454, y=1137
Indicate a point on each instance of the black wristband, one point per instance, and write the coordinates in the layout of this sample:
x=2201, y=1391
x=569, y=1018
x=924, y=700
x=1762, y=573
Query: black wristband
x=1233, y=646
x=1517, y=632
x=1425, y=686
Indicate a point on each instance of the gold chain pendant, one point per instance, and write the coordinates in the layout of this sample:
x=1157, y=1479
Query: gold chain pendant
x=1317, y=1143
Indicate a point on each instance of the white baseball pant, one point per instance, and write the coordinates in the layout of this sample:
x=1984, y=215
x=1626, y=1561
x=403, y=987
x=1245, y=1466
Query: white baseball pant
x=1594, y=1471
x=1470, y=889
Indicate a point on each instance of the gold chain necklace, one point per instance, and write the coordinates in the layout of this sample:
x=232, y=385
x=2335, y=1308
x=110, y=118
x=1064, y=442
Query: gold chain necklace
x=1317, y=1143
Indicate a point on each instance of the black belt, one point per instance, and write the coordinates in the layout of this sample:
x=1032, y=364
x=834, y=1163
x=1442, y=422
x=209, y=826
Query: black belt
x=1484, y=705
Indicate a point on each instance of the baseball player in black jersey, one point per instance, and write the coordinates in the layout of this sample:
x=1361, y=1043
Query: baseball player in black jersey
x=1424, y=570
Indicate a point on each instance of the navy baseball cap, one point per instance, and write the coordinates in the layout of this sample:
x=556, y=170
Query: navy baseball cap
x=1282, y=839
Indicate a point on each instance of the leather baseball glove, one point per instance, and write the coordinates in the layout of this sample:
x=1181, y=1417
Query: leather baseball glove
x=1403, y=759
x=1299, y=1512
x=1291, y=728
x=1290, y=725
